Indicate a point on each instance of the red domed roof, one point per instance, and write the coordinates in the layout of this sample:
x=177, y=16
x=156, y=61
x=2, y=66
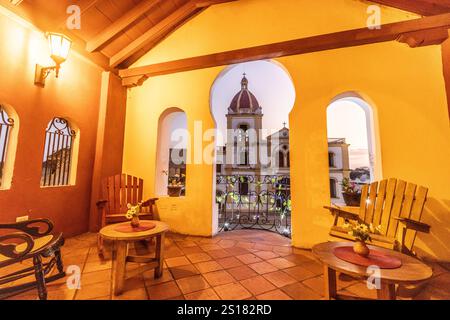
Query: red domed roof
x=244, y=101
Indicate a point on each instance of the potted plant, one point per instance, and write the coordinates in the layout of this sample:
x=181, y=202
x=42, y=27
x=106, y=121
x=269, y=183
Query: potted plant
x=175, y=185
x=351, y=193
x=133, y=214
x=362, y=234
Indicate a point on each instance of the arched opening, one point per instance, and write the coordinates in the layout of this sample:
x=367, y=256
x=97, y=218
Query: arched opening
x=9, y=128
x=60, y=156
x=354, y=154
x=173, y=145
x=250, y=104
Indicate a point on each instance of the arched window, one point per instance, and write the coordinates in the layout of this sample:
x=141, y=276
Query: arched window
x=331, y=159
x=6, y=126
x=172, y=153
x=288, y=159
x=333, y=188
x=57, y=163
x=281, y=159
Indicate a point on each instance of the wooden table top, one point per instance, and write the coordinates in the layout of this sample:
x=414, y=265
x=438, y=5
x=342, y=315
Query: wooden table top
x=110, y=233
x=411, y=271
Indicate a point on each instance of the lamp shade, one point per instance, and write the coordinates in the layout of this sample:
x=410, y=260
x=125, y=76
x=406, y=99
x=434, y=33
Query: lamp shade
x=59, y=47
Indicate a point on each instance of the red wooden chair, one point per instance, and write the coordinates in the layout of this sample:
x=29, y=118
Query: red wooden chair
x=117, y=192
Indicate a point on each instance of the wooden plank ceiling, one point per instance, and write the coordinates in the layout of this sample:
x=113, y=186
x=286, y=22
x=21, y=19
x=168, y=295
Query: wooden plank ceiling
x=116, y=33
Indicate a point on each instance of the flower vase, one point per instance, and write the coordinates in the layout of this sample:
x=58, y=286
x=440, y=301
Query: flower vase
x=361, y=248
x=135, y=222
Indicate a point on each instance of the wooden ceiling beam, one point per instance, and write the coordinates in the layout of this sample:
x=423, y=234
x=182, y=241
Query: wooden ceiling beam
x=422, y=7
x=164, y=27
x=343, y=39
x=121, y=24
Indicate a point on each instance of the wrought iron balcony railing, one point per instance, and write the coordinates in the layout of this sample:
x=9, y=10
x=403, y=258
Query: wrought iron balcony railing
x=254, y=202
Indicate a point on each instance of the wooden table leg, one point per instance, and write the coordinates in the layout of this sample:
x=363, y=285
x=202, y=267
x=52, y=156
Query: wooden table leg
x=119, y=267
x=159, y=255
x=330, y=283
x=386, y=292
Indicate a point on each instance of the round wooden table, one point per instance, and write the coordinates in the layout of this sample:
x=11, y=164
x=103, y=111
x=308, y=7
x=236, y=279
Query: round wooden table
x=121, y=256
x=412, y=270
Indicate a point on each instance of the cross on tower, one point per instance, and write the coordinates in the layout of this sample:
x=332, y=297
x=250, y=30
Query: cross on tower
x=284, y=124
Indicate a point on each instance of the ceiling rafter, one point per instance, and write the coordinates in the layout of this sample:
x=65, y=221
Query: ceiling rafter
x=121, y=24
x=422, y=7
x=169, y=24
x=414, y=32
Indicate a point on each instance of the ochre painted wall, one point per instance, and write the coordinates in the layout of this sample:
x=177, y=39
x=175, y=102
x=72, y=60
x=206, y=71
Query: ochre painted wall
x=75, y=95
x=405, y=87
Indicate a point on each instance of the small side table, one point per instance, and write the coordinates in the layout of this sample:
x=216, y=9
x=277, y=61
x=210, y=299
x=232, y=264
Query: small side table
x=121, y=256
x=412, y=270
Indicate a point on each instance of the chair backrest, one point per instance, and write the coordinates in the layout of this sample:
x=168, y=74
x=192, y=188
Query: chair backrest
x=383, y=201
x=120, y=190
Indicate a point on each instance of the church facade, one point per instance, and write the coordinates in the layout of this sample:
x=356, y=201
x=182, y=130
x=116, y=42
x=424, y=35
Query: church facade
x=248, y=154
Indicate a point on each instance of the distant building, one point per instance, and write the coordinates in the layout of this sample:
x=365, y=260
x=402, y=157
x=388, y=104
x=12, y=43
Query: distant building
x=245, y=117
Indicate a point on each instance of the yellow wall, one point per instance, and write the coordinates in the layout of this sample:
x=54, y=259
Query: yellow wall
x=404, y=85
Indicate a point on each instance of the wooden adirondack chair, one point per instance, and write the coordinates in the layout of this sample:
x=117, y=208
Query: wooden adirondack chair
x=395, y=205
x=117, y=192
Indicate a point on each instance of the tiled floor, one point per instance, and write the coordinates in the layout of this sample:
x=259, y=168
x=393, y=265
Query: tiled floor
x=242, y=264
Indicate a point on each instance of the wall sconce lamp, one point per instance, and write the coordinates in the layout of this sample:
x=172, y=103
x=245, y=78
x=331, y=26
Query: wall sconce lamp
x=59, y=50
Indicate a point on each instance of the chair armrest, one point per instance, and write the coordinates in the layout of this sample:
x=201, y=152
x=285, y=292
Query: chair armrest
x=342, y=214
x=31, y=227
x=414, y=225
x=9, y=249
x=101, y=203
x=149, y=202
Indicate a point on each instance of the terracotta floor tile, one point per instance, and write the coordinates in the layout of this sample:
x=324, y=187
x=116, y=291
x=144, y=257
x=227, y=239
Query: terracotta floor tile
x=263, y=267
x=164, y=291
x=274, y=295
x=229, y=262
x=192, y=284
x=92, y=291
x=433, y=293
x=299, y=291
x=149, y=277
x=219, y=254
x=95, y=277
x=263, y=247
x=266, y=255
x=208, y=266
x=186, y=244
x=242, y=272
x=210, y=247
x=299, y=273
x=245, y=245
x=314, y=267
x=298, y=259
x=281, y=263
x=199, y=257
x=208, y=294
x=226, y=243
x=232, y=291
x=218, y=278
x=236, y=251
x=249, y=258
x=279, y=278
x=361, y=290
x=134, y=294
x=97, y=266
x=177, y=262
x=184, y=271
x=257, y=285
x=282, y=250
x=316, y=283
x=192, y=250
x=173, y=252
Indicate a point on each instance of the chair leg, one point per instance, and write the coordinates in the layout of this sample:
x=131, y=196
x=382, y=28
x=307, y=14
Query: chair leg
x=100, y=247
x=40, y=278
x=59, y=262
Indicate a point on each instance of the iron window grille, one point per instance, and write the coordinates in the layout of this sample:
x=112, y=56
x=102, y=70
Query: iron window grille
x=57, y=161
x=6, y=125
